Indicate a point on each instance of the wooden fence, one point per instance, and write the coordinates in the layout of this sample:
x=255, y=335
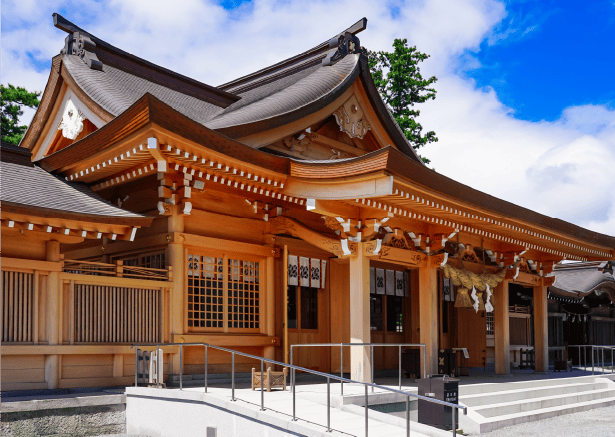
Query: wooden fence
x=107, y=314
x=17, y=306
x=118, y=270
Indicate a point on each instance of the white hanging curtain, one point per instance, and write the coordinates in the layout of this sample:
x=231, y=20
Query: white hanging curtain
x=399, y=284
x=293, y=270
x=304, y=271
x=315, y=273
x=379, y=281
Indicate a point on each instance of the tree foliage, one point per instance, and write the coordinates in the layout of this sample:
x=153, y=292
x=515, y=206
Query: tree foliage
x=13, y=100
x=398, y=78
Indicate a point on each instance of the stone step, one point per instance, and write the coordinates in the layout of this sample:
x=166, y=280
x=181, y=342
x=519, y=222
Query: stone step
x=534, y=405
x=490, y=424
x=471, y=389
x=480, y=399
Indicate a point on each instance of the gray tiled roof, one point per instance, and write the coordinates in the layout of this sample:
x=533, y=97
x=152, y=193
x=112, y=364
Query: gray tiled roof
x=34, y=187
x=581, y=279
x=285, y=94
x=115, y=90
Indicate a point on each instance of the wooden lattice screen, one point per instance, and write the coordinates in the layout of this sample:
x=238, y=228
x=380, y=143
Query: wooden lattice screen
x=106, y=314
x=17, y=306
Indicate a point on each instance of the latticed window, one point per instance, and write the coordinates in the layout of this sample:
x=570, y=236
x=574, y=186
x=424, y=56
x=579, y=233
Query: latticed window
x=490, y=324
x=223, y=293
x=150, y=260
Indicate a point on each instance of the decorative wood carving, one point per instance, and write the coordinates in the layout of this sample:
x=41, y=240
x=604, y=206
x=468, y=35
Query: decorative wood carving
x=437, y=260
x=469, y=255
x=524, y=266
x=72, y=121
x=404, y=256
x=351, y=118
x=398, y=240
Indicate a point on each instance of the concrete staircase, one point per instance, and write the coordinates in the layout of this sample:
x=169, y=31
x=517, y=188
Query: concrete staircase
x=494, y=406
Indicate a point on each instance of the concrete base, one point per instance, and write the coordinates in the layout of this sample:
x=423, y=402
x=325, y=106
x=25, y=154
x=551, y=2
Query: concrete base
x=67, y=415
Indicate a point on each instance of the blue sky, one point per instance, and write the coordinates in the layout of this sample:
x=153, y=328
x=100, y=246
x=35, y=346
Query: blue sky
x=551, y=55
x=525, y=108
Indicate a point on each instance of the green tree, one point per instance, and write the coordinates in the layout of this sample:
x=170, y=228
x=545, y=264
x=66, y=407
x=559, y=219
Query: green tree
x=398, y=78
x=13, y=100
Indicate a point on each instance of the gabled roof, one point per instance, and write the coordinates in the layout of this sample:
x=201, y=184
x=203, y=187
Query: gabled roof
x=113, y=80
x=28, y=189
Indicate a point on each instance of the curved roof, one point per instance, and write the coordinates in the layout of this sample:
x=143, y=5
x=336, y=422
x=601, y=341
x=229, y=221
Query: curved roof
x=26, y=186
x=269, y=98
x=289, y=93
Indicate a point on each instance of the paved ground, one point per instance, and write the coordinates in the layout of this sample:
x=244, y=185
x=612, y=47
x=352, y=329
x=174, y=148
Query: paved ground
x=592, y=423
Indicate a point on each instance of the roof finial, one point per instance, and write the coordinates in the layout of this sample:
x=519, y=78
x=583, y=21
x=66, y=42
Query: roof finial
x=80, y=44
x=346, y=44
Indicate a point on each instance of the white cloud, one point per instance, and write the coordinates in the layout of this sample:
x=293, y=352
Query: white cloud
x=557, y=168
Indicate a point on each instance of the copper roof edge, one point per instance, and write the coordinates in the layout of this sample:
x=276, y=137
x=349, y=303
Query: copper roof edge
x=63, y=24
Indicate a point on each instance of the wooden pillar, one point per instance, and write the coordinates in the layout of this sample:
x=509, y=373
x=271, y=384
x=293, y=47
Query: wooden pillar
x=53, y=317
x=269, y=351
x=428, y=304
x=360, y=359
x=541, y=329
x=177, y=261
x=501, y=327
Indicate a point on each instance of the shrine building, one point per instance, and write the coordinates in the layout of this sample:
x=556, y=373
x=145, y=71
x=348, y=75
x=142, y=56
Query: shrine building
x=284, y=207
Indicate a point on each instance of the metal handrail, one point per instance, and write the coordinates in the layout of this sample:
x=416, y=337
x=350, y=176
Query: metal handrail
x=594, y=347
x=293, y=369
x=341, y=346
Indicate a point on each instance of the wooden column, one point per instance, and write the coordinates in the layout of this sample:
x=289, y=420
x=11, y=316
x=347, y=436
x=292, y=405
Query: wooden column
x=541, y=329
x=428, y=304
x=177, y=261
x=501, y=327
x=269, y=351
x=54, y=289
x=360, y=360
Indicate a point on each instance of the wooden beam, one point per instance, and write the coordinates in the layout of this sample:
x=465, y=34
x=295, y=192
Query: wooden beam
x=285, y=225
x=227, y=245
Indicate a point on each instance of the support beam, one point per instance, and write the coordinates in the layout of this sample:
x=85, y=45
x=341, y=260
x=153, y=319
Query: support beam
x=360, y=360
x=502, y=329
x=541, y=329
x=177, y=261
x=54, y=288
x=428, y=304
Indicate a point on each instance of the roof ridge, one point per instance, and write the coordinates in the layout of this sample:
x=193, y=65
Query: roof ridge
x=224, y=97
x=324, y=47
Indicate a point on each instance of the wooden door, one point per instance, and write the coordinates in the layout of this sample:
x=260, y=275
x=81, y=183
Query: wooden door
x=472, y=334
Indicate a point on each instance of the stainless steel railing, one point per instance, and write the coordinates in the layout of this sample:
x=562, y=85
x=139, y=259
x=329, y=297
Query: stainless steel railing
x=594, y=348
x=371, y=345
x=293, y=369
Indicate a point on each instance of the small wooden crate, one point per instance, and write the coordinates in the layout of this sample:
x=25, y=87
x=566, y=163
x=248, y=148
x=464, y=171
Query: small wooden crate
x=272, y=379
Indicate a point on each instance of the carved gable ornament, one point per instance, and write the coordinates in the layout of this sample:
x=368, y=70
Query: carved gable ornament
x=351, y=119
x=72, y=121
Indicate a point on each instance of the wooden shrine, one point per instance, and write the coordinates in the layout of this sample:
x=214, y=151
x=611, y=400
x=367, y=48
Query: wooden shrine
x=284, y=207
